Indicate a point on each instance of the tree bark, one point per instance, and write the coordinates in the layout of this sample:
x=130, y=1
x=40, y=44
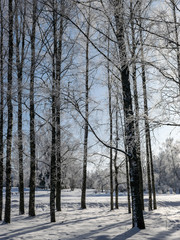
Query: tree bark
x=111, y=136
x=86, y=128
x=19, y=66
x=53, y=180
x=58, y=111
x=7, y=217
x=1, y=109
x=137, y=212
x=115, y=158
x=136, y=103
x=128, y=185
x=32, y=116
x=152, y=171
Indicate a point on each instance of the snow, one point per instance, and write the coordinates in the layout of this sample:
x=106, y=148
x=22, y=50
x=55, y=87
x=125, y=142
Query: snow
x=96, y=222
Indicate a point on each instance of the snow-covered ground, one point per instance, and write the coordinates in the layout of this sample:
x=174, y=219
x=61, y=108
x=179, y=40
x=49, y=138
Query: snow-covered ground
x=97, y=222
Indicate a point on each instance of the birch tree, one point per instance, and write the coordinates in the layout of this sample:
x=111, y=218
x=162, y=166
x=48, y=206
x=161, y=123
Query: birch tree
x=133, y=9
x=32, y=113
x=58, y=106
x=7, y=216
x=53, y=177
x=20, y=56
x=138, y=219
x=1, y=108
x=86, y=127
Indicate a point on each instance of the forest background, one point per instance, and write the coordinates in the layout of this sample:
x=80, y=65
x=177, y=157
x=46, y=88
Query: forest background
x=85, y=87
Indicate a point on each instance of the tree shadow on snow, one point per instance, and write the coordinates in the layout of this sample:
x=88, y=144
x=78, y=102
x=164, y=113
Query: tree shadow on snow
x=93, y=233
x=131, y=232
x=103, y=237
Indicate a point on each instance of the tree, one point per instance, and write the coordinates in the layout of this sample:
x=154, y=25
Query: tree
x=7, y=216
x=19, y=64
x=1, y=108
x=32, y=114
x=138, y=219
x=110, y=131
x=86, y=127
x=116, y=168
x=58, y=107
x=53, y=176
x=135, y=91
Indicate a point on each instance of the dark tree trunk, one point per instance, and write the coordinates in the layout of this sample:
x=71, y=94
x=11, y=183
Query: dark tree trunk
x=32, y=116
x=111, y=135
x=19, y=65
x=58, y=112
x=110, y=153
x=1, y=109
x=7, y=217
x=137, y=217
x=53, y=161
x=152, y=171
x=136, y=103
x=148, y=169
x=53, y=180
x=115, y=158
x=128, y=185
x=86, y=128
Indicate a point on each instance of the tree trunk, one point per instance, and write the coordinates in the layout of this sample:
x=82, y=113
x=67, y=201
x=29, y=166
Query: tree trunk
x=53, y=179
x=111, y=135
x=19, y=65
x=137, y=217
x=148, y=169
x=53, y=161
x=58, y=112
x=115, y=158
x=1, y=109
x=32, y=116
x=152, y=171
x=86, y=128
x=7, y=217
x=136, y=103
x=128, y=185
